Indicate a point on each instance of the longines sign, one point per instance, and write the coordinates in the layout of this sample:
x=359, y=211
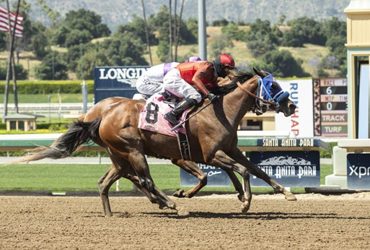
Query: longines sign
x=120, y=74
x=116, y=81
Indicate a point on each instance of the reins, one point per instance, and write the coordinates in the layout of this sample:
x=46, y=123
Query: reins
x=241, y=87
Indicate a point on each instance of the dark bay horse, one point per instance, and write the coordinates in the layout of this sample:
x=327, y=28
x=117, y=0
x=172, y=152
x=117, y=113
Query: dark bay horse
x=113, y=124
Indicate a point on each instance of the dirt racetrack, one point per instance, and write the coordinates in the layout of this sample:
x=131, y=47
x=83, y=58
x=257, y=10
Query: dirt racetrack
x=313, y=222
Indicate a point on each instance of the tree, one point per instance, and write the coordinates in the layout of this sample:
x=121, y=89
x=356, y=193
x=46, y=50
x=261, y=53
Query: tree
x=52, y=67
x=282, y=19
x=79, y=27
x=39, y=40
x=282, y=64
x=75, y=53
x=83, y=19
x=76, y=37
x=192, y=26
x=232, y=31
x=121, y=49
x=124, y=49
x=222, y=22
x=335, y=32
x=90, y=60
x=135, y=27
x=304, y=30
x=160, y=22
x=219, y=44
x=3, y=41
x=21, y=73
x=261, y=38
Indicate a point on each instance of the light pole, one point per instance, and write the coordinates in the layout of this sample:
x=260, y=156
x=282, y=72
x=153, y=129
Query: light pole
x=202, y=36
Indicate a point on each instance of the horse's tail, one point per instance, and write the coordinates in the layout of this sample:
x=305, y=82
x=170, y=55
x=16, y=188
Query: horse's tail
x=78, y=133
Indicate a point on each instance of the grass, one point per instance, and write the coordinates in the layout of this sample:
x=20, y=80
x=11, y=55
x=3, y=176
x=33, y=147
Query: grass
x=47, y=177
x=66, y=178
x=54, y=98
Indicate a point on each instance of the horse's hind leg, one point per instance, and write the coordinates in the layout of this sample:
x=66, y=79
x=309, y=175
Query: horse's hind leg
x=192, y=168
x=105, y=182
x=138, y=162
x=128, y=172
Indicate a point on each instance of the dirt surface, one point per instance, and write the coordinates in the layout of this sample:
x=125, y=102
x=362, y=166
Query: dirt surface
x=215, y=222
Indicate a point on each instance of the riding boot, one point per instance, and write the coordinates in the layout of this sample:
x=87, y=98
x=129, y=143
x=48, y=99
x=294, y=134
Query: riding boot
x=173, y=116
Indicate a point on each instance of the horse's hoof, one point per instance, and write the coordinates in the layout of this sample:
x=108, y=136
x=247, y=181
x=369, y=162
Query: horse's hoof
x=179, y=193
x=108, y=215
x=245, y=207
x=241, y=197
x=163, y=207
x=290, y=197
x=182, y=212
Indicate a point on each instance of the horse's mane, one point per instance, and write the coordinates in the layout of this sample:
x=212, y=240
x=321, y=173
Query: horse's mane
x=227, y=88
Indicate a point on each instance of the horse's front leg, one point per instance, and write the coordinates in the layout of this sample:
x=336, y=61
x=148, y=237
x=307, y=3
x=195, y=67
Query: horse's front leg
x=228, y=164
x=238, y=186
x=256, y=171
x=193, y=169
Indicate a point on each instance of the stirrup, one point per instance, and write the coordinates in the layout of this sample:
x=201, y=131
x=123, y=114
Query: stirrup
x=171, y=118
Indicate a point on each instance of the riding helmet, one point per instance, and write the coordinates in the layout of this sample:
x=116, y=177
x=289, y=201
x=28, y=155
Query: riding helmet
x=222, y=61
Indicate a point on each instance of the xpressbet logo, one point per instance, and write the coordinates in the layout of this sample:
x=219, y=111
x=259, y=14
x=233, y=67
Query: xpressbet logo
x=359, y=171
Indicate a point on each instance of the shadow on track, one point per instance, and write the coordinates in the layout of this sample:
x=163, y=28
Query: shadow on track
x=257, y=216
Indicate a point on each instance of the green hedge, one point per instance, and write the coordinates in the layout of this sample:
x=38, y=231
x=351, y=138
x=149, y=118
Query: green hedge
x=30, y=87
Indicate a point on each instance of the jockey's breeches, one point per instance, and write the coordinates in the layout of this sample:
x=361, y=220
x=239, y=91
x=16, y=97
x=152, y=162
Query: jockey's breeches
x=175, y=84
x=148, y=86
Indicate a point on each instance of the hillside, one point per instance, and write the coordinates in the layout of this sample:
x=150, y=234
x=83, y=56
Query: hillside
x=310, y=54
x=116, y=12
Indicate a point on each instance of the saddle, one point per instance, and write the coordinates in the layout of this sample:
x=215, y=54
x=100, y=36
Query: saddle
x=152, y=119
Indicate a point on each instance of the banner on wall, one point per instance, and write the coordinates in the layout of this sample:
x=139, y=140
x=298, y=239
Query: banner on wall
x=116, y=81
x=300, y=124
x=289, y=168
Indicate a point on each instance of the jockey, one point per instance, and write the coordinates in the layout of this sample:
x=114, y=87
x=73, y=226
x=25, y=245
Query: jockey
x=151, y=81
x=190, y=77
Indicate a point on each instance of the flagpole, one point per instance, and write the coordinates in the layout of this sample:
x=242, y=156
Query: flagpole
x=10, y=61
x=15, y=89
x=6, y=90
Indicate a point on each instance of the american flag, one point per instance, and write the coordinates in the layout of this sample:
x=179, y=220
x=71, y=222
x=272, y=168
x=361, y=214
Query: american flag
x=4, y=22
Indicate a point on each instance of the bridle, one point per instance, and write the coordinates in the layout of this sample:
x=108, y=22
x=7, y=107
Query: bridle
x=254, y=95
x=261, y=105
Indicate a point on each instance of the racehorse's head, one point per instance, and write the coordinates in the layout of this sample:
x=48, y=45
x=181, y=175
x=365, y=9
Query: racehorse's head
x=275, y=97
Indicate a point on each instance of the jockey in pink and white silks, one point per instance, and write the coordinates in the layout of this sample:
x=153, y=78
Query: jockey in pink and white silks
x=151, y=81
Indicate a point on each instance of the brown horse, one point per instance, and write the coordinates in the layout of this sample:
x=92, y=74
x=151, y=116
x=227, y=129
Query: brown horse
x=113, y=124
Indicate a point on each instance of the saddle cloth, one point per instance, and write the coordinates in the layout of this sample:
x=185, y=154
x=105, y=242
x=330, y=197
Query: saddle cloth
x=152, y=116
